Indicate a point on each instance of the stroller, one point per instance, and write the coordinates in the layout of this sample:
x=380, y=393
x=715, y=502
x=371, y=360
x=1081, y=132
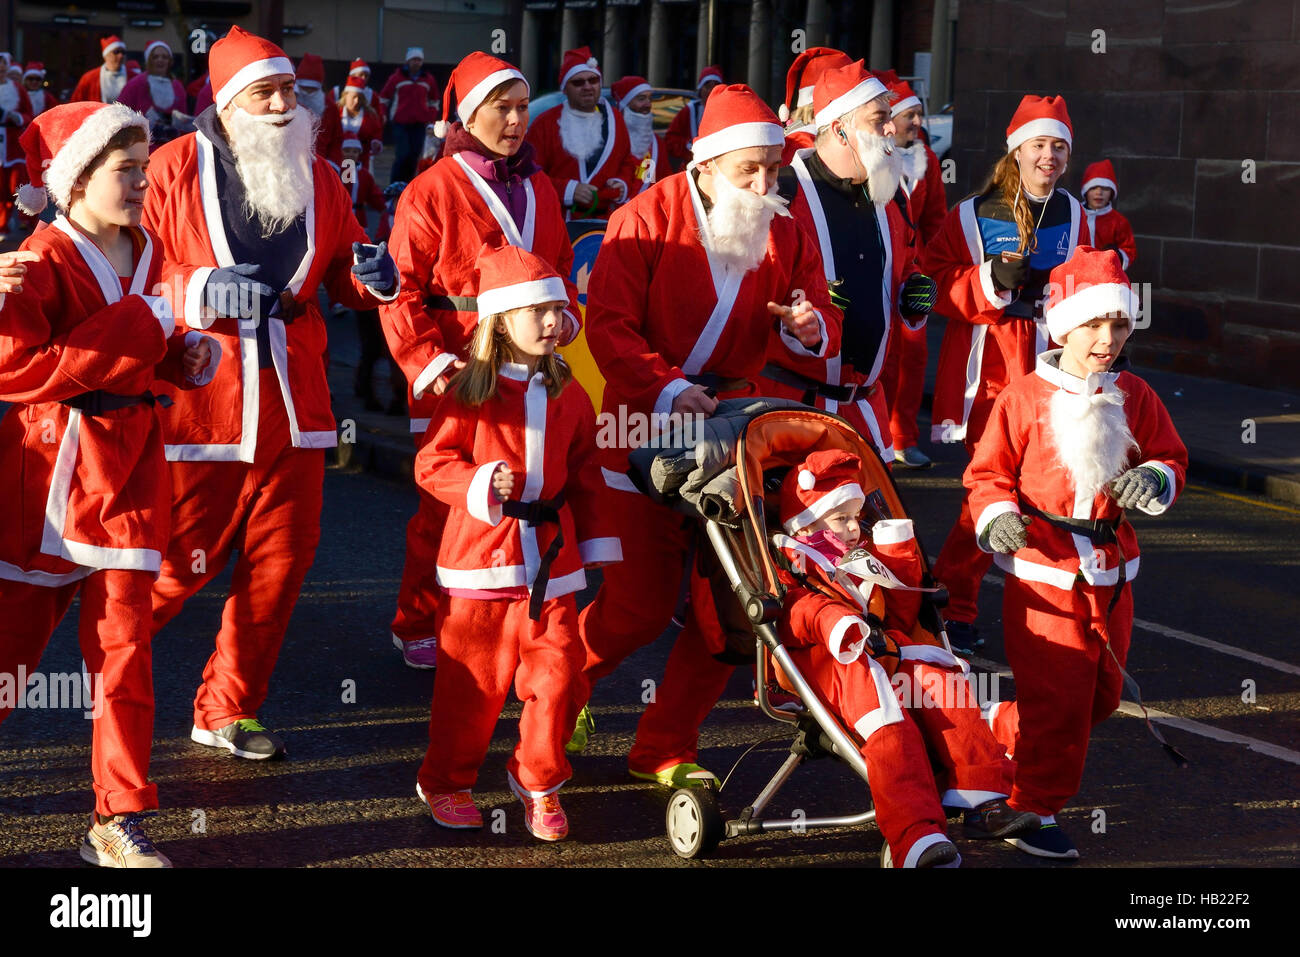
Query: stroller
x=724, y=471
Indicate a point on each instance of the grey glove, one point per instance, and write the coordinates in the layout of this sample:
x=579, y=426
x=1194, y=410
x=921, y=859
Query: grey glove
x=1006, y=533
x=231, y=291
x=1136, y=487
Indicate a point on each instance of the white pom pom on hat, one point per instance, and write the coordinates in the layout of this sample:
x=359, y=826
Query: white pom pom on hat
x=806, y=479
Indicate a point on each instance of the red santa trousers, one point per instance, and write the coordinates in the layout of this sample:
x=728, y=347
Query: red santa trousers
x=903, y=379
x=270, y=511
x=113, y=630
x=633, y=607
x=418, y=595
x=1066, y=683
x=483, y=646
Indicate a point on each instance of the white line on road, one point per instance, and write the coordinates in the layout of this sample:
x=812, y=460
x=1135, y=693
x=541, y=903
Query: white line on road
x=1209, y=731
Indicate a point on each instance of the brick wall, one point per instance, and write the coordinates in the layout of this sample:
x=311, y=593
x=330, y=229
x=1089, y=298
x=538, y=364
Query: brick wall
x=1184, y=94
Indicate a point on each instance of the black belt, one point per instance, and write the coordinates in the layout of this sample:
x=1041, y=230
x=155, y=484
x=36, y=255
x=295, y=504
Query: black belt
x=98, y=402
x=812, y=388
x=540, y=512
x=453, y=303
x=718, y=383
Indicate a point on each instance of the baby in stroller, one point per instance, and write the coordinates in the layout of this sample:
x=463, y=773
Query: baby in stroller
x=851, y=626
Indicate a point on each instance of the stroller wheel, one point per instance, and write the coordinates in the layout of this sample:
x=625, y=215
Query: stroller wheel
x=694, y=822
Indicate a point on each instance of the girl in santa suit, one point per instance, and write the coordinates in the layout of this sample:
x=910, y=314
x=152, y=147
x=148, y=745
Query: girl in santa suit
x=1067, y=449
x=1108, y=228
x=991, y=259
x=81, y=451
x=487, y=188
x=512, y=455
x=358, y=120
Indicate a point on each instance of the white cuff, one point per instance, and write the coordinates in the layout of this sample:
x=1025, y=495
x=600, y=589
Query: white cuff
x=1158, y=506
x=664, y=404
x=481, y=502
x=933, y=655
x=197, y=316
x=892, y=531
x=835, y=640
x=797, y=347
x=568, y=192
x=986, y=519
x=600, y=550
x=431, y=372
x=162, y=311
x=996, y=299
x=621, y=185
x=208, y=372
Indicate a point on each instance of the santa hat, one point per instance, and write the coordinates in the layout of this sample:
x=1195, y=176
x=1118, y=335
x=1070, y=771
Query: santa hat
x=351, y=143
x=628, y=88
x=240, y=58
x=575, y=62
x=842, y=90
x=355, y=83
x=710, y=74
x=1040, y=116
x=153, y=46
x=821, y=483
x=510, y=277
x=803, y=74
x=1088, y=285
x=735, y=118
x=311, y=69
x=477, y=75
x=35, y=68
x=109, y=44
x=901, y=95
x=358, y=67
x=413, y=53
x=133, y=68
x=1100, y=173
x=62, y=142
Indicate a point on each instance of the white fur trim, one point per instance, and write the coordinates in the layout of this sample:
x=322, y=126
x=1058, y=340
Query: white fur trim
x=1157, y=506
x=892, y=531
x=1099, y=181
x=251, y=73
x=832, y=499
x=1088, y=304
x=601, y=550
x=1043, y=126
x=150, y=48
x=866, y=91
x=480, y=501
x=118, y=45
x=492, y=302
x=934, y=655
x=736, y=137
x=986, y=519
x=31, y=199
x=840, y=630
x=208, y=372
x=633, y=93
x=668, y=394
x=84, y=145
x=471, y=101
x=162, y=311
x=587, y=67
x=903, y=106
x=429, y=374
x=997, y=299
x=798, y=348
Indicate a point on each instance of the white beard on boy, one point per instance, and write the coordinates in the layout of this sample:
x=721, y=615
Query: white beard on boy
x=739, y=222
x=274, y=164
x=1091, y=435
x=580, y=132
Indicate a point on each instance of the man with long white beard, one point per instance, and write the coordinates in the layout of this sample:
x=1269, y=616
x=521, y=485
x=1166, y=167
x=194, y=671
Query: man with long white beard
x=690, y=278
x=842, y=190
x=632, y=94
x=582, y=143
x=252, y=223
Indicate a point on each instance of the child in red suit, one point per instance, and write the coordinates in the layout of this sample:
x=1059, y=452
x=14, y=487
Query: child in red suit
x=1066, y=450
x=851, y=627
x=513, y=453
x=1108, y=228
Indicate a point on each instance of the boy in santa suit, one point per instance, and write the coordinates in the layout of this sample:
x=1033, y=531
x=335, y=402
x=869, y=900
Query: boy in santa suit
x=797, y=111
x=685, y=125
x=487, y=189
x=850, y=625
x=104, y=83
x=842, y=191
x=15, y=114
x=81, y=451
x=251, y=224
x=690, y=279
x=1067, y=449
x=632, y=96
x=1108, y=228
x=512, y=454
x=583, y=144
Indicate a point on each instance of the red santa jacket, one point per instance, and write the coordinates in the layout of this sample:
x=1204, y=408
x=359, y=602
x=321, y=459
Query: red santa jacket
x=926, y=203
x=329, y=138
x=1016, y=461
x=804, y=138
x=42, y=99
x=659, y=308
x=87, y=88
x=442, y=221
x=83, y=491
x=219, y=425
x=681, y=133
x=550, y=445
x=1110, y=229
x=407, y=100
x=955, y=260
x=15, y=113
x=614, y=174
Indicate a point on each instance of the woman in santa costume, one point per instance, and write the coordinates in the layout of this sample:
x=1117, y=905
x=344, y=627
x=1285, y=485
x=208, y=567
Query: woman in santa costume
x=1108, y=228
x=851, y=628
x=991, y=259
x=842, y=193
x=632, y=96
x=251, y=225
x=159, y=96
x=512, y=455
x=691, y=277
x=81, y=450
x=1066, y=451
x=358, y=69
x=15, y=114
x=797, y=111
x=487, y=189
x=358, y=120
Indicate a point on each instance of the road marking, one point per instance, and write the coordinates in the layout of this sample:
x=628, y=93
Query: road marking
x=1246, y=500
x=1209, y=731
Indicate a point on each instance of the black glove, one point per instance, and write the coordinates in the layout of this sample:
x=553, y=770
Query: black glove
x=1010, y=275
x=919, y=295
x=394, y=189
x=232, y=292
x=1136, y=487
x=1006, y=533
x=374, y=267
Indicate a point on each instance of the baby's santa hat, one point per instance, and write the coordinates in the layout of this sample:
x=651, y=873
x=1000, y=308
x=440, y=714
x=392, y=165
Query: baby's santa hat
x=359, y=67
x=311, y=69
x=474, y=77
x=821, y=483
x=108, y=44
x=510, y=277
x=1100, y=173
x=62, y=142
x=628, y=88
x=710, y=74
x=575, y=62
x=801, y=78
x=901, y=95
x=241, y=58
x=1040, y=116
x=35, y=68
x=735, y=118
x=841, y=90
x=154, y=46
x=1088, y=285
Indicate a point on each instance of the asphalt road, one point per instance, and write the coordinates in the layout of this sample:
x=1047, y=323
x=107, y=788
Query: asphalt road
x=1218, y=566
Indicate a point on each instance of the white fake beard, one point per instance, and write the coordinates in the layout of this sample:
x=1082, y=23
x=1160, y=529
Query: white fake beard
x=739, y=222
x=884, y=167
x=1091, y=435
x=580, y=132
x=912, y=160
x=314, y=100
x=274, y=164
x=640, y=130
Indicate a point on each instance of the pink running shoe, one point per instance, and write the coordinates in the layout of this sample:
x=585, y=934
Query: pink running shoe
x=543, y=816
x=454, y=810
x=422, y=653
